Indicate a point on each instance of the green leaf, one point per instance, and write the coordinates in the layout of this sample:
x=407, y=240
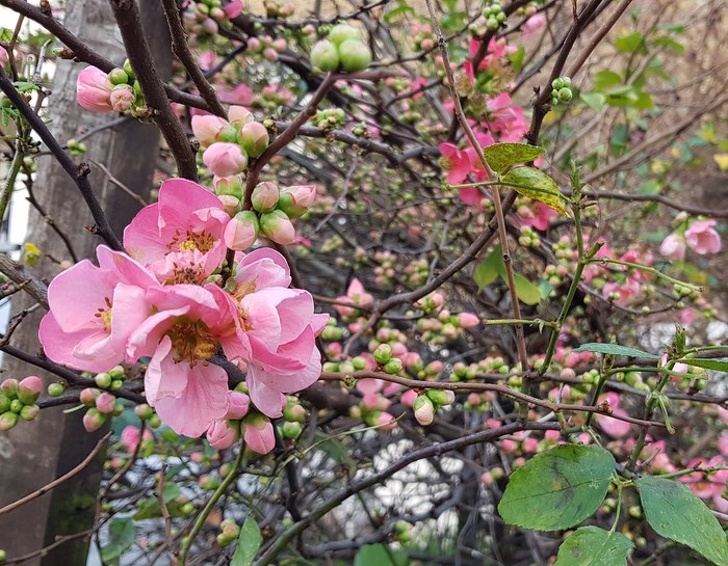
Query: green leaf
x=557, y=489
x=675, y=512
x=488, y=270
x=615, y=350
x=715, y=365
x=592, y=546
x=631, y=43
x=150, y=508
x=249, y=541
x=676, y=46
x=121, y=536
x=594, y=100
x=527, y=292
x=537, y=185
x=502, y=156
x=380, y=555
x=606, y=79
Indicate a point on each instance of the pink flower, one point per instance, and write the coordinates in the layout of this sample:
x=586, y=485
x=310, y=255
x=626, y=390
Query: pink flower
x=179, y=238
x=223, y=434
x=468, y=320
x=233, y=9
x=188, y=323
x=702, y=238
x=259, y=434
x=207, y=128
x=533, y=24
x=93, y=90
x=121, y=98
x=296, y=200
x=538, y=216
x=506, y=118
x=242, y=230
x=260, y=269
x=105, y=403
x=93, y=311
x=225, y=159
x=280, y=327
x=458, y=163
x=356, y=296
x=625, y=291
x=673, y=247
x=4, y=57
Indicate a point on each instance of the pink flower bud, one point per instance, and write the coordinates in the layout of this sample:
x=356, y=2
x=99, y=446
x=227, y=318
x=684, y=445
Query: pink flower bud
x=4, y=57
x=230, y=203
x=295, y=201
x=277, y=227
x=233, y=9
x=424, y=410
x=130, y=438
x=259, y=434
x=280, y=44
x=105, y=403
x=253, y=137
x=241, y=231
x=93, y=420
x=29, y=412
x=238, y=405
x=673, y=247
x=385, y=421
x=121, y=98
x=207, y=128
x=239, y=115
x=29, y=389
x=253, y=44
x=265, y=196
x=270, y=54
x=93, y=90
x=468, y=320
x=88, y=396
x=408, y=398
x=9, y=387
x=8, y=420
x=229, y=186
x=223, y=434
x=225, y=159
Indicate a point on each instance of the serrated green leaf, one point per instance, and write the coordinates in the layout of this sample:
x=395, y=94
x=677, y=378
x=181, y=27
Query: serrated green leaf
x=676, y=513
x=488, y=270
x=249, y=541
x=502, y=156
x=380, y=555
x=592, y=546
x=715, y=365
x=557, y=489
x=615, y=350
x=631, y=43
x=527, y=292
x=121, y=536
x=533, y=183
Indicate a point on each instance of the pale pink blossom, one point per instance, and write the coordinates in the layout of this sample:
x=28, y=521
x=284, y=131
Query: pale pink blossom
x=105, y=403
x=93, y=311
x=614, y=427
x=223, y=434
x=93, y=90
x=356, y=296
x=468, y=320
x=121, y=98
x=506, y=118
x=280, y=328
x=180, y=237
x=225, y=159
x=673, y=247
x=4, y=57
x=533, y=25
x=702, y=237
x=260, y=269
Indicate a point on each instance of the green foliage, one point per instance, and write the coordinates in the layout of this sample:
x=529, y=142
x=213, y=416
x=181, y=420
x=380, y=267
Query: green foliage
x=149, y=507
x=675, y=512
x=558, y=489
x=534, y=183
x=715, y=365
x=249, y=542
x=121, y=536
x=615, y=350
x=592, y=546
x=503, y=156
x=492, y=267
x=381, y=555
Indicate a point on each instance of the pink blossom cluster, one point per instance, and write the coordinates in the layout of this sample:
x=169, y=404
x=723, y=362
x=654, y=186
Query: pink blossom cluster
x=166, y=302
x=116, y=91
x=700, y=236
x=204, y=17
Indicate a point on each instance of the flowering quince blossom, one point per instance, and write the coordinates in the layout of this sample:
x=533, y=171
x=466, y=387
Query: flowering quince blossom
x=179, y=238
x=702, y=238
x=673, y=247
x=163, y=307
x=93, y=90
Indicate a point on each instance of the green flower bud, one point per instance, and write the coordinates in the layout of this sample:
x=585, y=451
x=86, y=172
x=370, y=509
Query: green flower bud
x=325, y=56
x=128, y=70
x=103, y=380
x=393, y=366
x=354, y=55
x=8, y=420
x=118, y=76
x=4, y=403
x=291, y=430
x=117, y=372
x=440, y=397
x=382, y=354
x=565, y=94
x=343, y=32
x=29, y=412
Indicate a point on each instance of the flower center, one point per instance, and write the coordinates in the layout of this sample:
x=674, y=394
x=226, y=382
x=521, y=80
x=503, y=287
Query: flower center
x=192, y=341
x=202, y=241
x=105, y=314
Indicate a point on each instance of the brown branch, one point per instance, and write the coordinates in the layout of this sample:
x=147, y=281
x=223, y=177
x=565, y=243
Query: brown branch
x=27, y=281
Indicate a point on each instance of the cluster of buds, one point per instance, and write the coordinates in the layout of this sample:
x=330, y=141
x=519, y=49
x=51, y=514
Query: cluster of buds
x=529, y=237
x=205, y=16
x=427, y=404
x=443, y=326
x=115, y=91
x=101, y=406
x=494, y=15
x=76, y=148
x=423, y=38
x=343, y=49
x=268, y=47
x=561, y=91
x=229, y=532
x=279, y=9
x=417, y=272
x=17, y=400
x=294, y=416
x=329, y=118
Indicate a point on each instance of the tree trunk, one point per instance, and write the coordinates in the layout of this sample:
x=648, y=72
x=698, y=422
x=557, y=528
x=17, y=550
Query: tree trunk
x=35, y=453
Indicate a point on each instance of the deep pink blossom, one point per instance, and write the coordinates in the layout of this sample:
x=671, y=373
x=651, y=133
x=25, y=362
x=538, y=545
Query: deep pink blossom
x=702, y=237
x=180, y=238
x=93, y=310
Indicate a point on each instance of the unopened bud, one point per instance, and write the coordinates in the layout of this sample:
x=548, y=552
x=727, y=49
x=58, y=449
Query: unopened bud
x=424, y=410
x=29, y=412
x=277, y=226
x=441, y=397
x=265, y=196
x=382, y=354
x=254, y=138
x=8, y=420
x=93, y=420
